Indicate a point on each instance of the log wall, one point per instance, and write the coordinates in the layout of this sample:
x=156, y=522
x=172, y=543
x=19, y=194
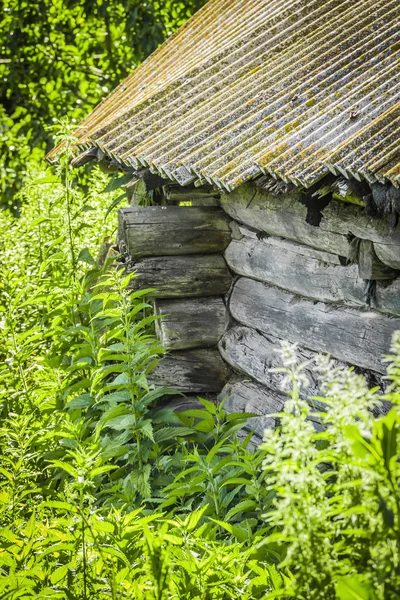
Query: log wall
x=236, y=274
x=177, y=251
x=332, y=288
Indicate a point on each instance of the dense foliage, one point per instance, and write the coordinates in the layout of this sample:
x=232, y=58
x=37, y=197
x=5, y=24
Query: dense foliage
x=61, y=58
x=105, y=492
x=104, y=496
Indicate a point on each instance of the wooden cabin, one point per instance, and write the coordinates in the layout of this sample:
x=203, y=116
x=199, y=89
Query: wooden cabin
x=267, y=134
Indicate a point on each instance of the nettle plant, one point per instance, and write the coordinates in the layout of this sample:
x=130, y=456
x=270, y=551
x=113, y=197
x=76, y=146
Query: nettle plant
x=336, y=512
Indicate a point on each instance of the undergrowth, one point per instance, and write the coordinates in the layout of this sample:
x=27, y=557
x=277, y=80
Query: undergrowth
x=102, y=495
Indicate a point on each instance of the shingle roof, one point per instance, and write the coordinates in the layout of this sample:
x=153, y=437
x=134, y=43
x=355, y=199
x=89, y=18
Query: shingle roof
x=290, y=88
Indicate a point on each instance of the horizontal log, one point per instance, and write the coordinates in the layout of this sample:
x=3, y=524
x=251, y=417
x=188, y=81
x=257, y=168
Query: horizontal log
x=192, y=371
x=182, y=276
x=293, y=267
x=285, y=216
x=357, y=337
x=239, y=231
x=177, y=193
x=255, y=354
x=172, y=230
x=250, y=397
x=182, y=403
x=190, y=323
x=282, y=216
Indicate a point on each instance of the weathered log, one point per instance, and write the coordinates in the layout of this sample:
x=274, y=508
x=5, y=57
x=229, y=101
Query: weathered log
x=248, y=396
x=239, y=231
x=182, y=403
x=192, y=371
x=182, y=276
x=369, y=265
x=388, y=254
x=176, y=193
x=387, y=297
x=190, y=323
x=172, y=230
x=254, y=354
x=356, y=337
x=293, y=267
x=285, y=217
x=282, y=216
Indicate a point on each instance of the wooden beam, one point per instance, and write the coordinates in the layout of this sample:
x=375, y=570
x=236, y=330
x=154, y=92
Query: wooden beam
x=192, y=371
x=190, y=323
x=182, y=276
x=255, y=354
x=296, y=268
x=172, y=230
x=282, y=216
x=357, y=337
x=285, y=217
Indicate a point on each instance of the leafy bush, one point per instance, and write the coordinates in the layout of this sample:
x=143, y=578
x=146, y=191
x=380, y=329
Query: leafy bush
x=104, y=495
x=337, y=491
x=61, y=58
x=95, y=493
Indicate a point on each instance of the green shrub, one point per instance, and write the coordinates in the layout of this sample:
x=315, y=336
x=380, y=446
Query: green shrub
x=336, y=511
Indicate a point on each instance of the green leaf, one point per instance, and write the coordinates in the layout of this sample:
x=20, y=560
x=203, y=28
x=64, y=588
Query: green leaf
x=238, y=532
x=82, y=401
x=353, y=587
x=122, y=422
x=147, y=429
x=85, y=257
x=65, y=467
x=117, y=182
x=115, y=203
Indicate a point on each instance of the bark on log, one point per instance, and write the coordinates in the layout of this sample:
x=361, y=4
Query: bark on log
x=192, y=371
x=254, y=354
x=285, y=217
x=356, y=337
x=173, y=230
x=291, y=267
x=182, y=276
x=190, y=323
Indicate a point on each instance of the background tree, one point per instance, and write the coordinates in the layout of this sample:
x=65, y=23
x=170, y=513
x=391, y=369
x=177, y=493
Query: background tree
x=61, y=57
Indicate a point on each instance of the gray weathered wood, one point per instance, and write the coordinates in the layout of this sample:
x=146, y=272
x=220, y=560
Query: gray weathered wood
x=176, y=193
x=284, y=216
x=357, y=337
x=190, y=323
x=191, y=371
x=281, y=216
x=387, y=297
x=289, y=266
x=173, y=230
x=248, y=396
x=254, y=354
x=370, y=266
x=389, y=254
x=183, y=402
x=182, y=276
x=239, y=231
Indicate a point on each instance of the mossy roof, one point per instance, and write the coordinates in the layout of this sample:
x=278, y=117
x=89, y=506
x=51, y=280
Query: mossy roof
x=290, y=88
